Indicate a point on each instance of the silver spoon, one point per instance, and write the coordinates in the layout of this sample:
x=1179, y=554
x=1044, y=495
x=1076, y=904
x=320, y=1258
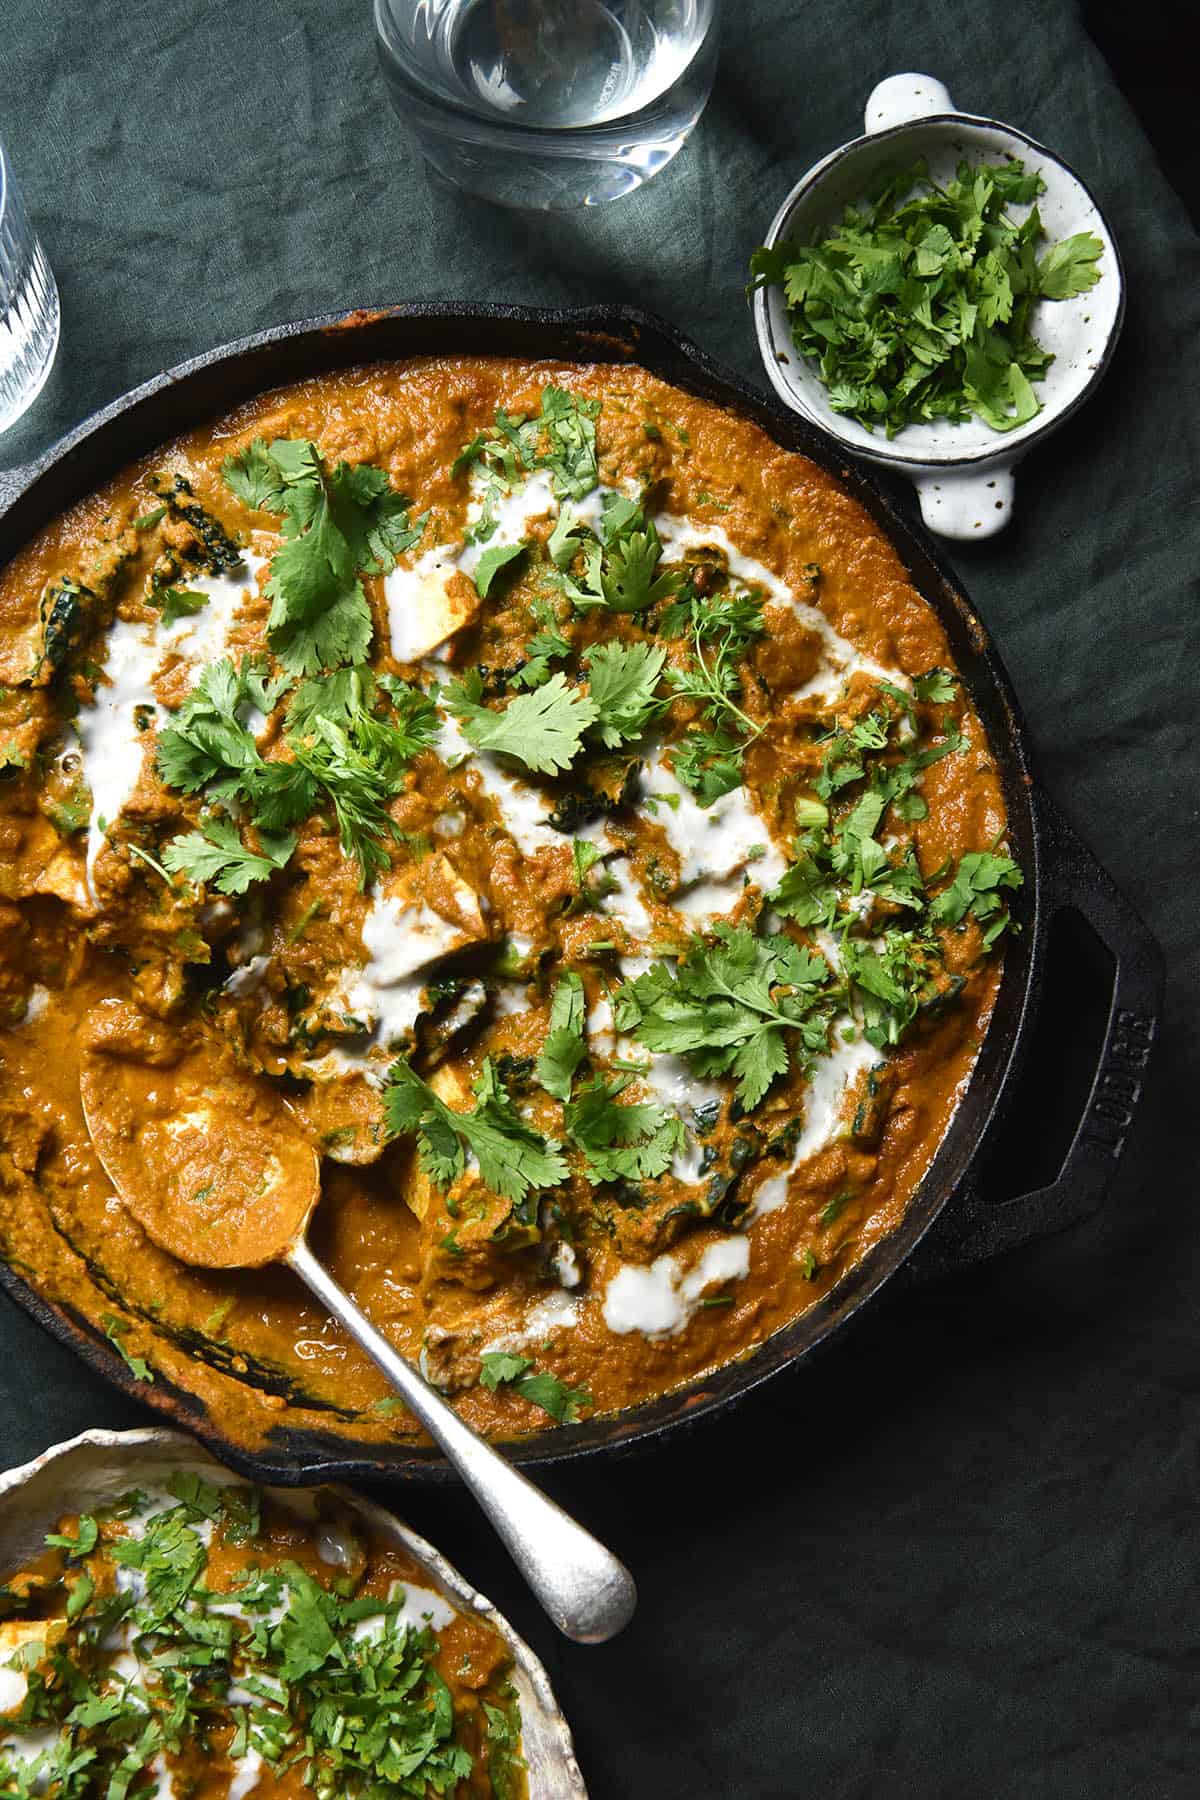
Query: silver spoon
x=235, y=1182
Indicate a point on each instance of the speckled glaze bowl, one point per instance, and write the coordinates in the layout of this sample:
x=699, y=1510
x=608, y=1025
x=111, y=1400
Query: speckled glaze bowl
x=98, y=1466
x=963, y=473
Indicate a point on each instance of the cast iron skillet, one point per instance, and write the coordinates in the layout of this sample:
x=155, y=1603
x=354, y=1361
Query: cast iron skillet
x=1061, y=876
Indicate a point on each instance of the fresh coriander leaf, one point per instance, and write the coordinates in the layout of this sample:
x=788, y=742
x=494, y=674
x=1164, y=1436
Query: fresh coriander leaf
x=566, y=540
x=348, y=754
x=889, y=983
x=216, y=856
x=373, y=517
x=584, y=855
x=178, y=603
x=416, y=716
x=622, y=683
x=254, y=477
x=566, y=1044
x=977, y=887
x=206, y=745
x=319, y=614
x=335, y=523
x=86, y=1538
x=81, y=1593
x=709, y=763
x=563, y=1403
x=544, y=729
x=1069, y=267
x=542, y=1389
x=622, y=1140
x=805, y=892
x=502, y=1365
x=514, y=1159
x=491, y=562
x=721, y=635
x=936, y=687
x=114, y=1331
x=621, y=567
x=742, y=1006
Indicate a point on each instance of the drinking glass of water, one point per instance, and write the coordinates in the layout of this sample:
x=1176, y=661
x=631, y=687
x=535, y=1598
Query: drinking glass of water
x=28, y=306
x=548, y=103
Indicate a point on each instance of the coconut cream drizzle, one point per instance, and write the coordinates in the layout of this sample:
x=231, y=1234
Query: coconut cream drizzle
x=115, y=731
x=660, y=1300
x=832, y=1080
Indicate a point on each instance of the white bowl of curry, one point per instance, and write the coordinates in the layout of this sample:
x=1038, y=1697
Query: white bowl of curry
x=172, y=1630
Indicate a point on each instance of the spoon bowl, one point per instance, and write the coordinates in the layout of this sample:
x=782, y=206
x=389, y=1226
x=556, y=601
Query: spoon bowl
x=235, y=1178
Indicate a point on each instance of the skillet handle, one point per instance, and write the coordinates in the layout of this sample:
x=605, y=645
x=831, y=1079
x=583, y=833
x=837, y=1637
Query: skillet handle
x=1071, y=881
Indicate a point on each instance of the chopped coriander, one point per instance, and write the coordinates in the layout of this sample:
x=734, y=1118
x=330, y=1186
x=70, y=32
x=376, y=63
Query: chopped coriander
x=566, y=1045
x=502, y=1367
x=919, y=305
x=337, y=523
x=514, y=1159
x=977, y=886
x=562, y=440
x=543, y=729
x=115, y=1330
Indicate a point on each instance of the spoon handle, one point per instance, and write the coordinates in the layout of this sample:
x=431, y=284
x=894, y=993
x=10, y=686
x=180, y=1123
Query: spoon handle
x=587, y=1592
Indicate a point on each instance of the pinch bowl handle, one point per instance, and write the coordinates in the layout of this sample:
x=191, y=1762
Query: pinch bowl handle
x=967, y=504
x=902, y=98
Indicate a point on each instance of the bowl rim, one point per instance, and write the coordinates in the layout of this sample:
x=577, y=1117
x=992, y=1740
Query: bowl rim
x=1006, y=449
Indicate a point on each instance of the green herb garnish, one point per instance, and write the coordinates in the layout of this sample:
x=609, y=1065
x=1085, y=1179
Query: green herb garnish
x=502, y=1367
x=919, y=307
x=337, y=523
x=514, y=1159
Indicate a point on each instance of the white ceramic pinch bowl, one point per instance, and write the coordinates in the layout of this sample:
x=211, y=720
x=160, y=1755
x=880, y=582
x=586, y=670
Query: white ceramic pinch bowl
x=96, y=1467
x=963, y=473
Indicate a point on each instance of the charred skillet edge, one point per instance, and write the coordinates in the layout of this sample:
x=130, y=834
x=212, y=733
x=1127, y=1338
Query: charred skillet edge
x=51, y=1483
x=219, y=379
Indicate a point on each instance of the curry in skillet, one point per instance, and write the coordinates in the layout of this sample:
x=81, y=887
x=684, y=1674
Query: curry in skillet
x=561, y=796
x=200, y=1641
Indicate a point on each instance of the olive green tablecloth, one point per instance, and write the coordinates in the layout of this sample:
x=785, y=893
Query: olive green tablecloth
x=958, y=1555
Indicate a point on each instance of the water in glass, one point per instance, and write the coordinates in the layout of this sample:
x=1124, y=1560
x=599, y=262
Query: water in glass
x=548, y=103
x=29, y=318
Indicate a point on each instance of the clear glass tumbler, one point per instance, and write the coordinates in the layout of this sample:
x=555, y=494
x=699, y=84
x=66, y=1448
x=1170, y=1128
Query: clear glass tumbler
x=548, y=103
x=29, y=316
